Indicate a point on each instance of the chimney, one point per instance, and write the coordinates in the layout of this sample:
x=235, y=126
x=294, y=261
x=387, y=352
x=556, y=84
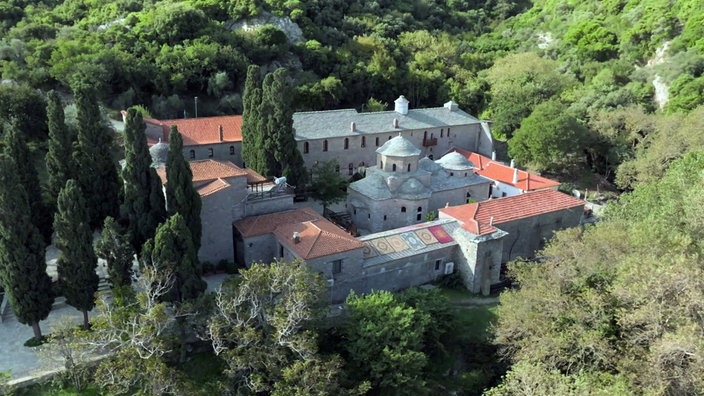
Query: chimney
x=493, y=155
x=513, y=163
x=296, y=237
x=353, y=126
x=394, y=123
x=451, y=105
x=401, y=105
x=221, y=133
x=491, y=221
x=515, y=175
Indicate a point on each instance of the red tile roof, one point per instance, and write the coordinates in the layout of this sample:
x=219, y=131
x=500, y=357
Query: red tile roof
x=204, y=130
x=206, y=170
x=495, y=170
x=477, y=217
x=212, y=187
x=266, y=224
x=317, y=238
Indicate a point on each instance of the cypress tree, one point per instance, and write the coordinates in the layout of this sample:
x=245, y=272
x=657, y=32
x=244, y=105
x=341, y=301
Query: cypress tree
x=22, y=262
x=172, y=252
x=59, y=158
x=252, y=150
x=181, y=196
x=115, y=249
x=77, y=261
x=136, y=209
x=96, y=166
x=267, y=127
x=16, y=148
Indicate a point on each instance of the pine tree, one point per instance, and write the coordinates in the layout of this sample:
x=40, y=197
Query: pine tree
x=59, y=158
x=115, y=249
x=77, y=261
x=96, y=166
x=181, y=196
x=251, y=118
x=142, y=219
x=172, y=253
x=16, y=148
x=22, y=262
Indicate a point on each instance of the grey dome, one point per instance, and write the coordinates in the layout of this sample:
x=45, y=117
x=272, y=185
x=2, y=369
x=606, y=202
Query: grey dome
x=159, y=153
x=398, y=147
x=429, y=165
x=455, y=161
x=412, y=187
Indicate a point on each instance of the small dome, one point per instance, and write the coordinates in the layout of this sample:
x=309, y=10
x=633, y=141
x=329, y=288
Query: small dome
x=428, y=165
x=412, y=187
x=159, y=153
x=455, y=161
x=398, y=147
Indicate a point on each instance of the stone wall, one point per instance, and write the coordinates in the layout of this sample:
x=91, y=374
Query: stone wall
x=227, y=151
x=478, y=259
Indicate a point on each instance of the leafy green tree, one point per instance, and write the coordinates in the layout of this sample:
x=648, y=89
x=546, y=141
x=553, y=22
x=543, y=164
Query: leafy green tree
x=141, y=217
x=261, y=326
x=16, y=148
x=172, y=253
x=22, y=263
x=181, y=196
x=115, y=249
x=550, y=139
x=251, y=119
x=373, y=105
x=96, y=166
x=24, y=107
x=327, y=185
x=59, y=158
x=77, y=262
x=385, y=342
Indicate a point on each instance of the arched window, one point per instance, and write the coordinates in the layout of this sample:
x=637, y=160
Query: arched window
x=381, y=165
x=364, y=141
x=441, y=132
x=425, y=135
x=408, y=167
x=393, y=167
x=350, y=169
x=210, y=153
x=452, y=173
x=232, y=150
x=376, y=141
x=325, y=145
x=420, y=208
x=347, y=143
x=306, y=147
x=403, y=209
x=390, y=137
x=192, y=154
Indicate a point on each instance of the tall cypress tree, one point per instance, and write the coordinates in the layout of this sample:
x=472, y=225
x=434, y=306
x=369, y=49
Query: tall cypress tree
x=136, y=209
x=252, y=149
x=115, y=249
x=173, y=253
x=267, y=126
x=77, y=261
x=22, y=262
x=96, y=166
x=181, y=196
x=16, y=148
x=59, y=158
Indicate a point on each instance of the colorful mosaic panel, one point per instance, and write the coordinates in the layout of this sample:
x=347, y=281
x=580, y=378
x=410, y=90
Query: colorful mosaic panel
x=426, y=236
x=440, y=234
x=397, y=243
x=382, y=246
x=369, y=250
x=412, y=240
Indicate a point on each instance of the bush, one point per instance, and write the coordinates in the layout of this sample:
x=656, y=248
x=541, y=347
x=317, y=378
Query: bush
x=230, y=267
x=35, y=342
x=208, y=267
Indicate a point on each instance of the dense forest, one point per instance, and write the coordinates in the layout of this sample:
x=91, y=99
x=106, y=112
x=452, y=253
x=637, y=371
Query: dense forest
x=603, y=95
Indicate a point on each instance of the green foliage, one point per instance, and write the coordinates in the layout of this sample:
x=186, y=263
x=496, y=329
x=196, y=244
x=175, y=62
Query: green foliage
x=181, y=196
x=374, y=105
x=115, y=249
x=59, y=158
x=25, y=108
x=22, y=266
x=251, y=118
x=77, y=262
x=328, y=186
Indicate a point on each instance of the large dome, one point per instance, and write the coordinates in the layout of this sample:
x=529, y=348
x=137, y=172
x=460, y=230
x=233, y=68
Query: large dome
x=159, y=153
x=398, y=147
x=455, y=161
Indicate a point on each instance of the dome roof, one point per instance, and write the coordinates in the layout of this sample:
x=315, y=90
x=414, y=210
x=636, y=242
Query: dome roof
x=398, y=147
x=159, y=153
x=412, y=187
x=429, y=165
x=455, y=161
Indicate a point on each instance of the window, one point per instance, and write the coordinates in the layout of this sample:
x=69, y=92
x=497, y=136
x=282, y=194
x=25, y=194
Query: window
x=425, y=135
x=337, y=266
x=306, y=147
x=281, y=250
x=376, y=140
x=350, y=169
x=337, y=168
x=325, y=145
x=452, y=173
x=382, y=165
x=232, y=150
x=347, y=143
x=408, y=167
x=364, y=141
x=192, y=154
x=448, y=132
x=420, y=208
x=419, y=216
x=384, y=217
x=403, y=209
x=437, y=264
x=210, y=153
x=465, y=174
x=503, y=194
x=441, y=132
x=393, y=167
x=390, y=137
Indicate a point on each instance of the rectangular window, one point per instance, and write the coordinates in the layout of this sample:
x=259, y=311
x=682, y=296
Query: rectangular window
x=337, y=266
x=210, y=153
x=377, y=141
x=437, y=264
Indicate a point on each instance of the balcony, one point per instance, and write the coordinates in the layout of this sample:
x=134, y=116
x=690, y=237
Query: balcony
x=429, y=142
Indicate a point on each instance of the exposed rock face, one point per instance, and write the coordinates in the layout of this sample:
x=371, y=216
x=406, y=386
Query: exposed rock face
x=286, y=25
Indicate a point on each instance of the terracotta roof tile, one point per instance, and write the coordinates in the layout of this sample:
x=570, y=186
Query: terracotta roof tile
x=205, y=170
x=204, y=130
x=477, y=217
x=495, y=170
x=212, y=187
x=317, y=238
x=266, y=224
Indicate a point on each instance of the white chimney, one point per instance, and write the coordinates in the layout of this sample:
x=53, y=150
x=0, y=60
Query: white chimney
x=451, y=105
x=515, y=175
x=493, y=155
x=296, y=237
x=353, y=126
x=491, y=221
x=513, y=163
x=401, y=105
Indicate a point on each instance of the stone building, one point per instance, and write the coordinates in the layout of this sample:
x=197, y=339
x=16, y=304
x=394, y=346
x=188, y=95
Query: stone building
x=352, y=138
x=403, y=188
